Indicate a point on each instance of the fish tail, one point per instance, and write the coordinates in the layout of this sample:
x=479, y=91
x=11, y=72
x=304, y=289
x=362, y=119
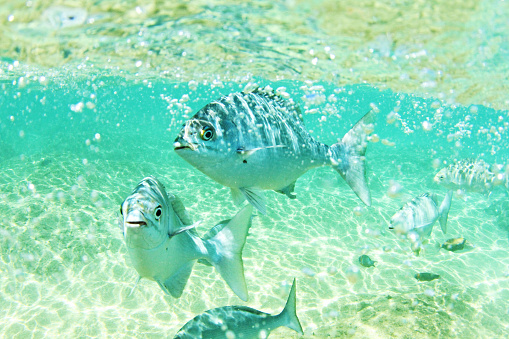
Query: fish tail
x=348, y=156
x=289, y=314
x=443, y=212
x=225, y=251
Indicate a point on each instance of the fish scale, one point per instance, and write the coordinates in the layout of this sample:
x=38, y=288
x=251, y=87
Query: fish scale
x=257, y=141
x=470, y=175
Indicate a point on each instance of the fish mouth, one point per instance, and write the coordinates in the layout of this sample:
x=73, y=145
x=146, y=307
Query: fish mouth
x=135, y=224
x=177, y=145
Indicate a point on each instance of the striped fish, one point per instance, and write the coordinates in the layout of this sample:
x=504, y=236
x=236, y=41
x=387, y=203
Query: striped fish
x=470, y=175
x=416, y=218
x=256, y=140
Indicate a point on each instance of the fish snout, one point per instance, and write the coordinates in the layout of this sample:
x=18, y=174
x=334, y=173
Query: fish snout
x=135, y=219
x=180, y=143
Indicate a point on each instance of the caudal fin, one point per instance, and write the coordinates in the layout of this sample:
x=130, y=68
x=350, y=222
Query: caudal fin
x=347, y=156
x=289, y=314
x=443, y=211
x=225, y=251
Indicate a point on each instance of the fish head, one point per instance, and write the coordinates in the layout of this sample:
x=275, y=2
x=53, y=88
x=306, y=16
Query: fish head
x=441, y=177
x=401, y=222
x=201, y=141
x=209, y=142
x=145, y=215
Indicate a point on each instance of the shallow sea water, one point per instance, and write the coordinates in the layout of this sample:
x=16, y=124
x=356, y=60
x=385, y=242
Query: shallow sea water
x=92, y=99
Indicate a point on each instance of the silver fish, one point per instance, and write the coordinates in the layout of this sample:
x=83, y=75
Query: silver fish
x=416, y=218
x=255, y=141
x=470, y=175
x=240, y=322
x=163, y=244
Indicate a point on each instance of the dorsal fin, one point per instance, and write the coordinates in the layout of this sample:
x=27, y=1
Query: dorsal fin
x=180, y=210
x=278, y=100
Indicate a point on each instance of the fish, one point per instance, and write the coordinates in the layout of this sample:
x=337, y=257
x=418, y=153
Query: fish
x=426, y=276
x=366, y=261
x=416, y=218
x=241, y=322
x=255, y=140
x=454, y=244
x=163, y=244
x=471, y=176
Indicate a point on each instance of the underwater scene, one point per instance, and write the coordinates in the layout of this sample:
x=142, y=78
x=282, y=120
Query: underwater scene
x=348, y=176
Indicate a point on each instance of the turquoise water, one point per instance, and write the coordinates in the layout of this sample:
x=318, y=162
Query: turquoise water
x=90, y=106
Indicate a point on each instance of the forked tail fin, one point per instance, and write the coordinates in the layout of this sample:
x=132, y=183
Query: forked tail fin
x=443, y=211
x=348, y=156
x=288, y=315
x=225, y=250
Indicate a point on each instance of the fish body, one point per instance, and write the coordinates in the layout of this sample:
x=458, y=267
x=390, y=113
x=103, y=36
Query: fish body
x=366, y=261
x=163, y=244
x=426, y=276
x=240, y=322
x=471, y=176
x=454, y=244
x=255, y=141
x=416, y=218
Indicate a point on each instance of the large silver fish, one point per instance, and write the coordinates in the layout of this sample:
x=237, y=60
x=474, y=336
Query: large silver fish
x=470, y=175
x=240, y=322
x=254, y=141
x=416, y=218
x=163, y=244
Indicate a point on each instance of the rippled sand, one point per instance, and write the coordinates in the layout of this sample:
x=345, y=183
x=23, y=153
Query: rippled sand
x=65, y=270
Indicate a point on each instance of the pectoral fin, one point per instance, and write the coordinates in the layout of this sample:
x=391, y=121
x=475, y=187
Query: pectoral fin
x=246, y=153
x=185, y=228
x=175, y=284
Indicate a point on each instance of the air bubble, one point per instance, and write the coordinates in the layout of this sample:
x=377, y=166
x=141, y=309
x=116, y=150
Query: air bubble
x=353, y=274
x=374, y=138
x=388, y=143
x=427, y=126
x=395, y=189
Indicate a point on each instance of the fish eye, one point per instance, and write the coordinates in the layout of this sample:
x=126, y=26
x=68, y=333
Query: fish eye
x=159, y=211
x=207, y=133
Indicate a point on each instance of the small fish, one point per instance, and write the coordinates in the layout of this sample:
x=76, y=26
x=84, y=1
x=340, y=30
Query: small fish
x=241, y=322
x=471, y=176
x=366, y=261
x=254, y=141
x=426, y=276
x=417, y=217
x=163, y=243
x=63, y=17
x=455, y=244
